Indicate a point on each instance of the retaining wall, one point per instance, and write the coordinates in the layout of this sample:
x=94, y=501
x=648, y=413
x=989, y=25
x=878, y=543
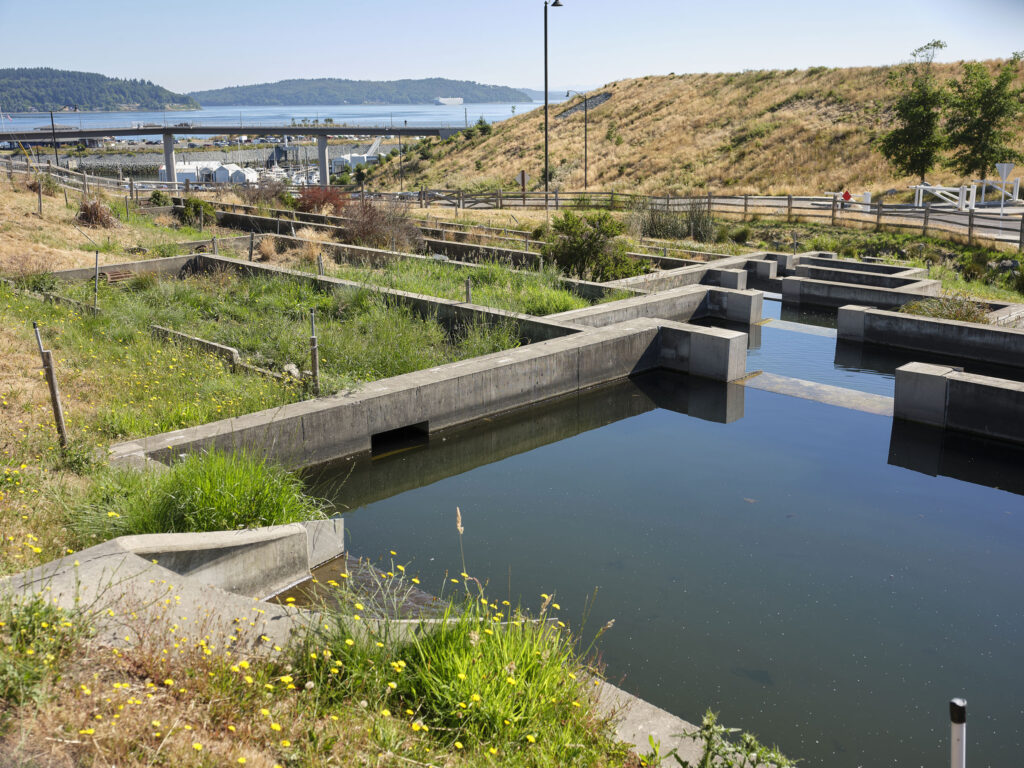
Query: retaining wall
x=949, y=398
x=802, y=290
x=972, y=341
x=313, y=431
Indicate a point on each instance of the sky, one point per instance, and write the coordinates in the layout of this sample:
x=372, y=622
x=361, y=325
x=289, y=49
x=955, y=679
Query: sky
x=187, y=45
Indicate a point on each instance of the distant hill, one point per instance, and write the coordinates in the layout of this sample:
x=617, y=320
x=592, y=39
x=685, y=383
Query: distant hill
x=805, y=131
x=329, y=90
x=41, y=89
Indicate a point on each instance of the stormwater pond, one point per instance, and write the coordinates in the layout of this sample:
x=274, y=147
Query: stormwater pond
x=816, y=574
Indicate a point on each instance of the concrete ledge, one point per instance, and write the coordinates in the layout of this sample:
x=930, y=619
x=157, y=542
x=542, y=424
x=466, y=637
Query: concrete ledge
x=949, y=398
x=172, y=265
x=726, y=278
x=802, y=290
x=230, y=354
x=971, y=341
x=880, y=405
x=714, y=353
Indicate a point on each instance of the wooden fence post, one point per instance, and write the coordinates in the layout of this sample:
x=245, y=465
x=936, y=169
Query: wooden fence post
x=1020, y=242
x=39, y=190
x=927, y=215
x=970, y=227
x=835, y=205
x=469, y=291
x=51, y=380
x=746, y=205
x=499, y=199
x=314, y=353
x=252, y=242
x=789, y=208
x=878, y=215
x=709, y=202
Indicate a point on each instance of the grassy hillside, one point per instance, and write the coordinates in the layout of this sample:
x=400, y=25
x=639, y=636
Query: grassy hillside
x=797, y=131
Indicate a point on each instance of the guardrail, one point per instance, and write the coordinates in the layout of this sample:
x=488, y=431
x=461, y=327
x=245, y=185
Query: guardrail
x=927, y=220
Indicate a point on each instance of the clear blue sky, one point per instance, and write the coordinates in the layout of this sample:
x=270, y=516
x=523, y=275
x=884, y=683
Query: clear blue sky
x=189, y=45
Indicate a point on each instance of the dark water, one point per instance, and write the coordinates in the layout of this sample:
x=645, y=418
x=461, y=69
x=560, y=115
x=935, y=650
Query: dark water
x=793, y=565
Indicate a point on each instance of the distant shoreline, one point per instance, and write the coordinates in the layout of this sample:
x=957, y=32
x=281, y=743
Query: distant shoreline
x=256, y=106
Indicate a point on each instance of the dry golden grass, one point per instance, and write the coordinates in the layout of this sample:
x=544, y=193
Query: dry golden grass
x=57, y=241
x=760, y=132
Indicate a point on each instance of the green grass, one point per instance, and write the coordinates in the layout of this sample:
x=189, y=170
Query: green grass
x=487, y=682
x=493, y=285
x=36, y=640
x=203, y=492
x=361, y=336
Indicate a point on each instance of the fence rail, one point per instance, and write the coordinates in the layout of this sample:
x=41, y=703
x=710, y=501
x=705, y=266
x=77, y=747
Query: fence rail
x=930, y=219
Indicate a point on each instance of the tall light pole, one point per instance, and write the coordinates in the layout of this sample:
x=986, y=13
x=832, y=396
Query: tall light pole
x=555, y=4
x=586, y=103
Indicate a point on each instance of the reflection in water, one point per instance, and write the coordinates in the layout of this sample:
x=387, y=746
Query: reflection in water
x=361, y=479
x=935, y=452
x=885, y=360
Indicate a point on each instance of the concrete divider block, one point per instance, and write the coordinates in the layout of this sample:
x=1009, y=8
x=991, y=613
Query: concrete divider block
x=714, y=353
x=985, y=405
x=792, y=288
x=765, y=270
x=921, y=393
x=726, y=278
x=850, y=322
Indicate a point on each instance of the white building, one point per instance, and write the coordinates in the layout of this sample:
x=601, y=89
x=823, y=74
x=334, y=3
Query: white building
x=199, y=171
x=345, y=162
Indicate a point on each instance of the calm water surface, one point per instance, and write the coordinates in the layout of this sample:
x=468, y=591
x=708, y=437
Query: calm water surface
x=793, y=565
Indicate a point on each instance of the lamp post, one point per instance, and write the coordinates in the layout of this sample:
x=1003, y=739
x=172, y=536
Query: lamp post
x=586, y=103
x=555, y=4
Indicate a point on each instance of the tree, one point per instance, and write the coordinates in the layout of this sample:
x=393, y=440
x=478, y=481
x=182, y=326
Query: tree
x=982, y=117
x=589, y=247
x=914, y=145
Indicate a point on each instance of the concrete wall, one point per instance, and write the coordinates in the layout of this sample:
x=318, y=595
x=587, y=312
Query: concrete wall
x=893, y=270
x=855, y=277
x=802, y=290
x=972, y=341
x=949, y=398
x=313, y=431
x=172, y=265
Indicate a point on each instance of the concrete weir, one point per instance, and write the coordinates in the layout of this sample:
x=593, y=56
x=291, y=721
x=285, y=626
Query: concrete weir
x=426, y=401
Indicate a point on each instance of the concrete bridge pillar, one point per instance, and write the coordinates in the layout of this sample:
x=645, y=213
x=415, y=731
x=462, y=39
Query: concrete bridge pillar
x=325, y=169
x=172, y=173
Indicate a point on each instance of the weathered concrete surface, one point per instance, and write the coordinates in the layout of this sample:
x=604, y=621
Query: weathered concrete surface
x=921, y=392
x=852, y=265
x=304, y=433
x=639, y=721
x=676, y=304
x=172, y=265
x=802, y=290
x=205, y=583
x=855, y=277
x=822, y=393
x=946, y=397
x=954, y=338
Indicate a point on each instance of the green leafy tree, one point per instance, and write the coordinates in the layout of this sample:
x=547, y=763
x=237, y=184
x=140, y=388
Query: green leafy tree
x=590, y=247
x=914, y=145
x=982, y=117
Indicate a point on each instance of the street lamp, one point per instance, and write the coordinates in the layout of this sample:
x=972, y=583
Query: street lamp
x=586, y=103
x=555, y=4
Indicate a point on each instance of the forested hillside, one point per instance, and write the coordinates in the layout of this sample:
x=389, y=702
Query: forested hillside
x=329, y=90
x=41, y=89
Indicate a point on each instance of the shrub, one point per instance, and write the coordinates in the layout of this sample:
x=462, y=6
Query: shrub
x=739, y=234
x=267, y=248
x=165, y=250
x=93, y=213
x=698, y=219
x=320, y=200
x=195, y=209
x=650, y=221
x=382, y=225
x=203, y=492
x=159, y=199
x=951, y=306
x=587, y=247
x=266, y=193
x=49, y=186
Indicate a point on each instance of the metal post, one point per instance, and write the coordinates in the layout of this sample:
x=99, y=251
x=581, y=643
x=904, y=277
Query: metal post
x=927, y=215
x=545, y=105
x=469, y=291
x=958, y=733
x=96, y=285
x=1020, y=243
x=131, y=188
x=970, y=227
x=252, y=242
x=39, y=190
x=314, y=353
x=127, y=209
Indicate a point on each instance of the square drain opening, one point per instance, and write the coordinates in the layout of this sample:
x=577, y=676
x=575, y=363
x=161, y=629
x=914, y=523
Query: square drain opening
x=401, y=439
